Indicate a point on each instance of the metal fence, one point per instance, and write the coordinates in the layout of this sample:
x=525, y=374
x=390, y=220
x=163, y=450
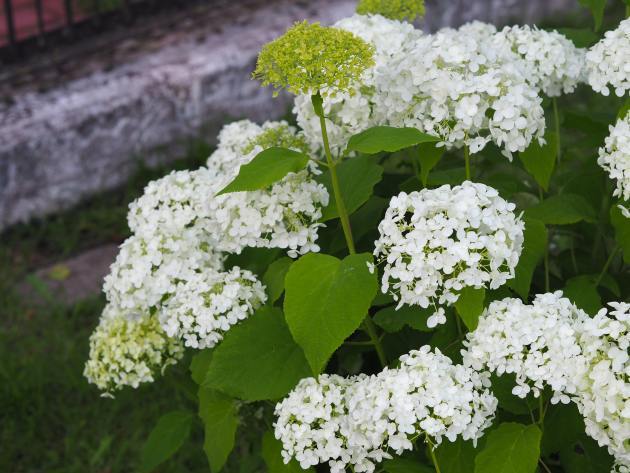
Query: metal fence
x=31, y=25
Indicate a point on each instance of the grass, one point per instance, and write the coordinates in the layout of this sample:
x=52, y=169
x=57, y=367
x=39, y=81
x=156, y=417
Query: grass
x=51, y=419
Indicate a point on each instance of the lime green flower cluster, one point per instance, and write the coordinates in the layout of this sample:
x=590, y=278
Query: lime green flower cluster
x=282, y=136
x=310, y=58
x=394, y=9
x=127, y=352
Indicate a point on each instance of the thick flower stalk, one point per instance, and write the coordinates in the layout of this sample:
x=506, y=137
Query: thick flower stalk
x=286, y=215
x=608, y=62
x=322, y=62
x=311, y=58
x=395, y=9
x=353, y=111
x=614, y=157
x=362, y=420
x=435, y=242
x=126, y=352
x=207, y=305
x=552, y=62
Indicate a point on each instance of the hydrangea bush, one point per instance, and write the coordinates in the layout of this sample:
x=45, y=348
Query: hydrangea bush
x=428, y=271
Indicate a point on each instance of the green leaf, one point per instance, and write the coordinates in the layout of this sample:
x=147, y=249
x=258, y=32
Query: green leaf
x=318, y=104
x=621, y=225
x=271, y=453
x=540, y=161
x=597, y=8
x=582, y=291
x=59, y=272
x=169, y=434
x=456, y=457
x=406, y=465
x=386, y=138
x=357, y=178
x=274, y=278
x=510, y=448
x=533, y=251
x=267, y=167
x=325, y=302
x=428, y=155
x=585, y=457
x=392, y=320
x=469, y=306
x=199, y=365
x=219, y=415
x=611, y=284
x=581, y=37
x=562, y=209
x=257, y=359
x=623, y=111
x=563, y=427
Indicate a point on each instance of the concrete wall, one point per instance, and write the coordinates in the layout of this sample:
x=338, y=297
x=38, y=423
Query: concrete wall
x=73, y=127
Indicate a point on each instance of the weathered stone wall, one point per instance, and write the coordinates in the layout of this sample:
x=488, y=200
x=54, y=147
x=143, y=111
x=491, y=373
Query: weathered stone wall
x=72, y=128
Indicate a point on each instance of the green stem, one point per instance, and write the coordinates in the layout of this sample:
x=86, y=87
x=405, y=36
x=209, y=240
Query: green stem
x=460, y=332
x=434, y=459
x=371, y=331
x=345, y=223
x=627, y=10
x=607, y=265
x=414, y=164
x=341, y=206
x=556, y=119
x=546, y=257
x=467, y=160
x=546, y=468
x=546, y=263
x=541, y=410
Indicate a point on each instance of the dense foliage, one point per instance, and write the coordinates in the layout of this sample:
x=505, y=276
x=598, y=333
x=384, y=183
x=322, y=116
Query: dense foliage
x=429, y=273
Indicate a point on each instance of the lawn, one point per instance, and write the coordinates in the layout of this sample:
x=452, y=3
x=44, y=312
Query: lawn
x=51, y=419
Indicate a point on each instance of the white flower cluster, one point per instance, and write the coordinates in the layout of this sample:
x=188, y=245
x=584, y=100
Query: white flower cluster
x=126, y=352
x=534, y=342
x=172, y=204
x=460, y=85
x=357, y=421
x=614, y=157
x=283, y=216
x=173, y=262
x=581, y=358
x=553, y=63
x=350, y=113
x=147, y=270
x=604, y=395
x=453, y=85
x=181, y=228
x=435, y=242
x=207, y=304
x=608, y=62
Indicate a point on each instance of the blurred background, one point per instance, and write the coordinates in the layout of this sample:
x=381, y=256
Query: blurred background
x=97, y=98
